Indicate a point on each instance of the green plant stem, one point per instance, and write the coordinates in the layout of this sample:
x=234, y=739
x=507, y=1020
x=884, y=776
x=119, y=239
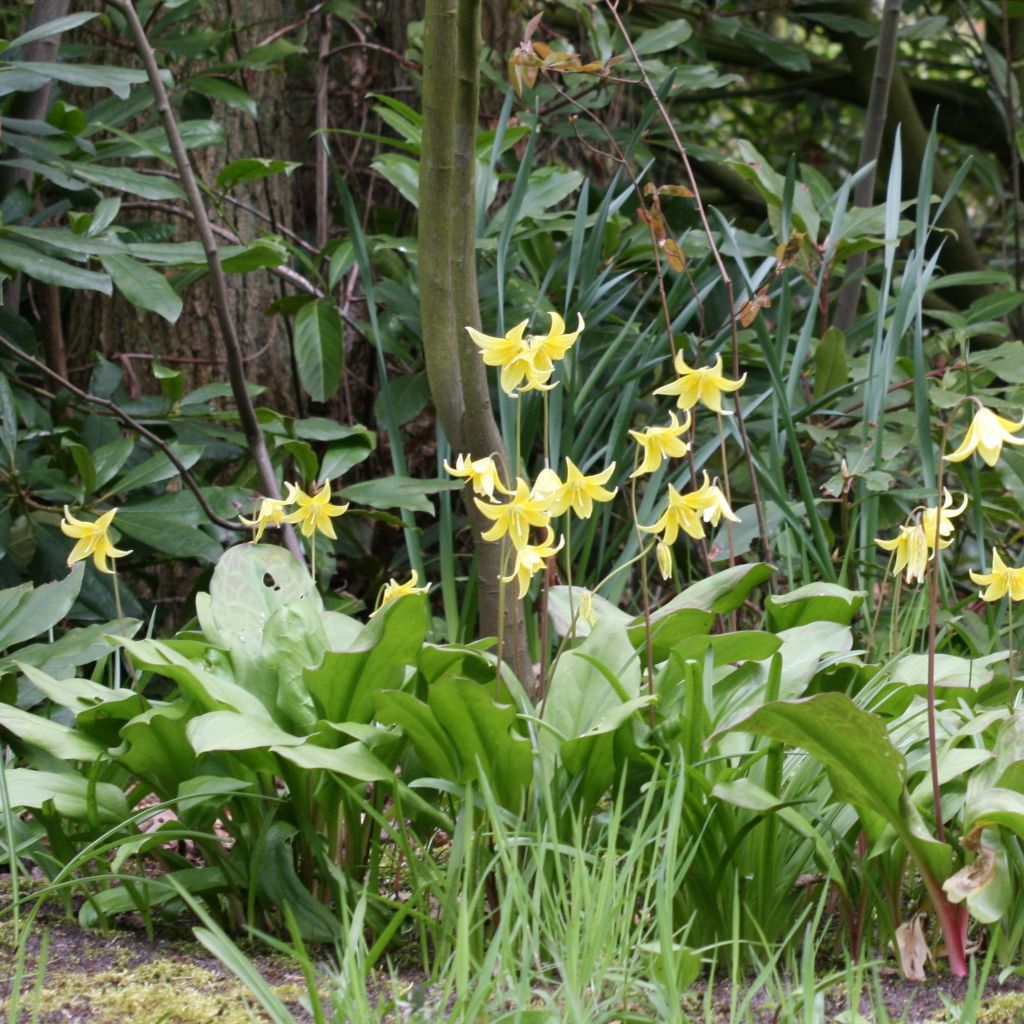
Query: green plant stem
x=645, y=594
x=1009, y=645
x=933, y=752
x=117, y=604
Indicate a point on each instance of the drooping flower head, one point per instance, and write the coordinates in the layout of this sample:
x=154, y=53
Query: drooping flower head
x=528, y=358
x=579, y=492
x=703, y=384
x=944, y=517
x=481, y=473
x=659, y=443
x=911, y=547
x=92, y=539
x=515, y=517
x=1002, y=580
x=271, y=513
x=986, y=435
x=682, y=512
x=531, y=558
x=393, y=590
x=709, y=500
x=314, y=513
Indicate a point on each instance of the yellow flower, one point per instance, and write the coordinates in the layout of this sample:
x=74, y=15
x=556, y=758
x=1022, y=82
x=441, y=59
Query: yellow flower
x=314, y=513
x=944, y=516
x=579, y=492
x=587, y=613
x=526, y=357
x=709, y=500
x=481, y=473
x=531, y=558
x=1002, y=580
x=682, y=513
x=92, y=539
x=393, y=590
x=557, y=342
x=700, y=385
x=659, y=443
x=664, y=556
x=545, y=487
x=986, y=435
x=911, y=547
x=271, y=513
x=515, y=517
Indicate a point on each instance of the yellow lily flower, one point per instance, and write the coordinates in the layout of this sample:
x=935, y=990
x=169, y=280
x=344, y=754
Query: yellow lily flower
x=587, y=613
x=515, y=517
x=526, y=357
x=531, y=558
x=682, y=513
x=557, y=341
x=314, y=512
x=579, y=492
x=944, y=518
x=709, y=500
x=663, y=553
x=658, y=443
x=545, y=487
x=1002, y=580
x=986, y=435
x=91, y=539
x=481, y=473
x=393, y=590
x=271, y=513
x=911, y=547
x=705, y=384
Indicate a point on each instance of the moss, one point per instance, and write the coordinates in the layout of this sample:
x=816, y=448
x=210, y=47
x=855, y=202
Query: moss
x=1004, y=1009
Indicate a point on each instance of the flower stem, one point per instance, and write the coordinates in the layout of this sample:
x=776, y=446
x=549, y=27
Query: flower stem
x=933, y=753
x=1009, y=644
x=117, y=604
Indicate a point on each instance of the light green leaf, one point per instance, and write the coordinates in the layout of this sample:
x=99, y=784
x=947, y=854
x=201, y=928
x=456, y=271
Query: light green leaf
x=124, y=179
x=50, y=28
x=118, y=80
x=226, y=730
x=224, y=91
x=665, y=36
x=143, y=287
x=238, y=172
x=39, y=608
x=48, y=270
x=72, y=795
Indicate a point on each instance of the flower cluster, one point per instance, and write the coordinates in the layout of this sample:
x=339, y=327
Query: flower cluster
x=527, y=357
x=313, y=513
x=531, y=508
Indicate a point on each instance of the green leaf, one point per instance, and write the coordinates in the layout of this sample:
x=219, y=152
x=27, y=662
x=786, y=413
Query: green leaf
x=815, y=602
x=143, y=287
x=72, y=795
x=319, y=349
x=118, y=80
x=124, y=179
x=48, y=270
x=227, y=730
x=8, y=421
x=265, y=251
x=55, y=27
x=38, y=609
x=225, y=92
x=353, y=761
x=157, y=467
x=55, y=739
x=398, y=492
x=252, y=169
x=401, y=172
x=830, y=368
x=722, y=592
x=156, y=530
x=149, y=893
x=665, y=36
x=436, y=751
x=154, y=746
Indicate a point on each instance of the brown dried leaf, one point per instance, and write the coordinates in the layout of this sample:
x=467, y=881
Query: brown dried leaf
x=750, y=309
x=976, y=875
x=788, y=251
x=674, y=255
x=531, y=27
x=912, y=947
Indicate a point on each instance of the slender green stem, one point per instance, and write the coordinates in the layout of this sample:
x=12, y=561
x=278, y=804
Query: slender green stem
x=117, y=604
x=644, y=588
x=1009, y=644
x=568, y=573
x=728, y=490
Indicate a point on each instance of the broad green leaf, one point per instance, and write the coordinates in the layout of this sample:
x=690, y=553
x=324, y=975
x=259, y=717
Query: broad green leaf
x=562, y=613
x=72, y=795
x=143, y=287
x=55, y=739
x=201, y=799
x=118, y=80
x=8, y=422
x=265, y=251
x=48, y=270
x=38, y=609
x=238, y=172
x=398, y=492
x=55, y=27
x=669, y=627
x=830, y=368
x=485, y=734
x=124, y=179
x=154, y=747
x=76, y=647
x=950, y=670
x=226, y=730
x=224, y=91
x=157, y=467
x=998, y=807
x=436, y=750
x=665, y=36
x=294, y=640
x=722, y=592
x=402, y=172
x=319, y=349
x=743, y=645
x=815, y=602
x=152, y=527
x=148, y=893
x=90, y=702
x=353, y=760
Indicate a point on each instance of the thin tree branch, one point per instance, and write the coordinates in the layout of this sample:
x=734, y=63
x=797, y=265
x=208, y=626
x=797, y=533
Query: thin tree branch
x=133, y=424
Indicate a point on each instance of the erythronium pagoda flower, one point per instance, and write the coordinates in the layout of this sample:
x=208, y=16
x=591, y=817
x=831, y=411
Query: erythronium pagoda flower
x=271, y=513
x=685, y=512
x=705, y=384
x=481, y=473
x=393, y=590
x=986, y=435
x=579, y=492
x=314, y=512
x=531, y=558
x=545, y=487
x=1002, y=580
x=711, y=503
x=587, y=613
x=945, y=516
x=527, y=357
x=515, y=517
x=658, y=443
x=91, y=539
x=663, y=553
x=912, y=548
